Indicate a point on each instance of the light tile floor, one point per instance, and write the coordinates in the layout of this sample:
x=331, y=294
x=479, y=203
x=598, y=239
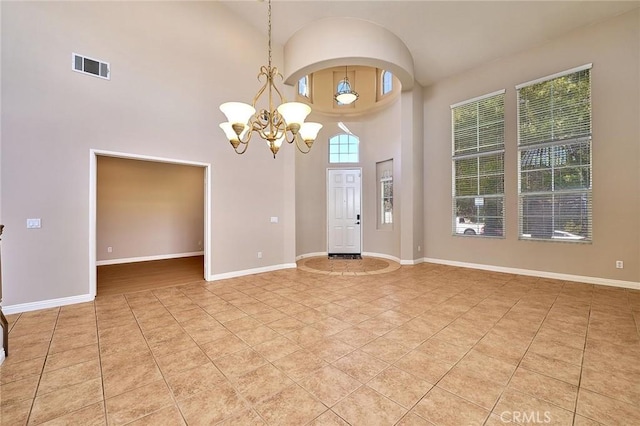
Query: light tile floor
x=424, y=345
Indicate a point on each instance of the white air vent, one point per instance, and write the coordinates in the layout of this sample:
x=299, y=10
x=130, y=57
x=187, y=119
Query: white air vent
x=91, y=66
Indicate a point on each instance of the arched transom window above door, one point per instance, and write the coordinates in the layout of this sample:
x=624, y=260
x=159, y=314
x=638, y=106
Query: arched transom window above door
x=344, y=148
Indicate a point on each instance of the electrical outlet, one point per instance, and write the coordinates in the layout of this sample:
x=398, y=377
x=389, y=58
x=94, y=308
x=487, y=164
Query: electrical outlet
x=33, y=223
x=109, y=249
x=619, y=264
x=259, y=255
x=419, y=248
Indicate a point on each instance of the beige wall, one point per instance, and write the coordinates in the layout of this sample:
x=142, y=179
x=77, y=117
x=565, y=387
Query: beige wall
x=147, y=208
x=172, y=64
x=613, y=47
x=412, y=183
x=380, y=136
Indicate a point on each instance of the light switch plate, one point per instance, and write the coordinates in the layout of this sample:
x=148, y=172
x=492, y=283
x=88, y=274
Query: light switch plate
x=33, y=223
x=274, y=219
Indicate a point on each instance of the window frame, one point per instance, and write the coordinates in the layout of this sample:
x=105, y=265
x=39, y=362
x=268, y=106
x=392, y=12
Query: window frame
x=307, y=94
x=384, y=178
x=552, y=153
x=348, y=151
x=494, y=202
x=383, y=82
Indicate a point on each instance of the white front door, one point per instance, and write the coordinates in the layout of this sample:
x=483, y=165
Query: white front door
x=343, y=214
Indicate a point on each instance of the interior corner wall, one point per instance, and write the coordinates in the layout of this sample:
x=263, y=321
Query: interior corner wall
x=167, y=81
x=148, y=209
x=613, y=46
x=411, y=171
x=417, y=169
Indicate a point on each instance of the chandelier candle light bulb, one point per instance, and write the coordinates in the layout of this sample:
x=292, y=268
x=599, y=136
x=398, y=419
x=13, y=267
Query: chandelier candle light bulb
x=274, y=125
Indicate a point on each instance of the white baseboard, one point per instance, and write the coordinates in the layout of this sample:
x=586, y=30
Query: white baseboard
x=381, y=256
x=317, y=254
x=412, y=262
x=46, y=304
x=148, y=258
x=54, y=303
x=242, y=273
x=541, y=274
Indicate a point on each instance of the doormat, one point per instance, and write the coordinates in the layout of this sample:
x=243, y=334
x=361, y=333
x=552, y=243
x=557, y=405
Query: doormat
x=344, y=256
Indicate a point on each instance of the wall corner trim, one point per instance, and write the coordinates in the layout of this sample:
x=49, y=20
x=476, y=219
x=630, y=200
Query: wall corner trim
x=541, y=274
x=46, y=304
x=2, y=358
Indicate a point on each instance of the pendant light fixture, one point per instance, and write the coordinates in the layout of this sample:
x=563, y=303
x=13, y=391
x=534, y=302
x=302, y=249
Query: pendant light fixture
x=345, y=95
x=273, y=124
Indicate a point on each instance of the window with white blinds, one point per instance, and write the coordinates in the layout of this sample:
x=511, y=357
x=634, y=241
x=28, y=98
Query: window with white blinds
x=478, y=166
x=554, y=157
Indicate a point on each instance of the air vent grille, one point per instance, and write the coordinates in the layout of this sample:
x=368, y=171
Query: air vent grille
x=87, y=65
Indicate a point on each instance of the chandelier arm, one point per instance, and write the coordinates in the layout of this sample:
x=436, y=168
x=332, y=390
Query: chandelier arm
x=247, y=136
x=259, y=128
x=263, y=124
x=264, y=135
x=264, y=71
x=275, y=73
x=290, y=137
x=246, y=145
x=297, y=139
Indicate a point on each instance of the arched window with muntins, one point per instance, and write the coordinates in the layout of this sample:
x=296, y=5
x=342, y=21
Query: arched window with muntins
x=387, y=82
x=344, y=148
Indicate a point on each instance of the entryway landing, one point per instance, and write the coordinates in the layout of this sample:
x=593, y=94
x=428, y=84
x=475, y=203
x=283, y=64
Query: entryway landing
x=336, y=266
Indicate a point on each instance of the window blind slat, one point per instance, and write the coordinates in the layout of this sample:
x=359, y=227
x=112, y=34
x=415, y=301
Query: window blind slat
x=552, y=76
x=554, y=144
x=478, y=165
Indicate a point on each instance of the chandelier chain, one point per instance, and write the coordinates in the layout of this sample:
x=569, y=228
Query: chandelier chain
x=269, y=32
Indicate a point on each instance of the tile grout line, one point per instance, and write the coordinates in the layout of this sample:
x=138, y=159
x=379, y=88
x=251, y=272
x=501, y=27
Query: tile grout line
x=523, y=355
x=35, y=396
x=302, y=293
x=104, y=395
x=457, y=362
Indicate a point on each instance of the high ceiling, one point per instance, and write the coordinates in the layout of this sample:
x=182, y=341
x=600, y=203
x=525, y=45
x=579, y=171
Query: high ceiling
x=444, y=37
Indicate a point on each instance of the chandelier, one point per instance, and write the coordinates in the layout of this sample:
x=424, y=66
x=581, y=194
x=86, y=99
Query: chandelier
x=345, y=95
x=274, y=125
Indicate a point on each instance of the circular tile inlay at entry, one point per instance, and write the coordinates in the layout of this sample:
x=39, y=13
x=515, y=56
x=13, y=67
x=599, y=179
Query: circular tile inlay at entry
x=364, y=266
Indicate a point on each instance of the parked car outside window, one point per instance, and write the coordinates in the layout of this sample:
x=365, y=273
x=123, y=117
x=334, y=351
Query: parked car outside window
x=465, y=226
